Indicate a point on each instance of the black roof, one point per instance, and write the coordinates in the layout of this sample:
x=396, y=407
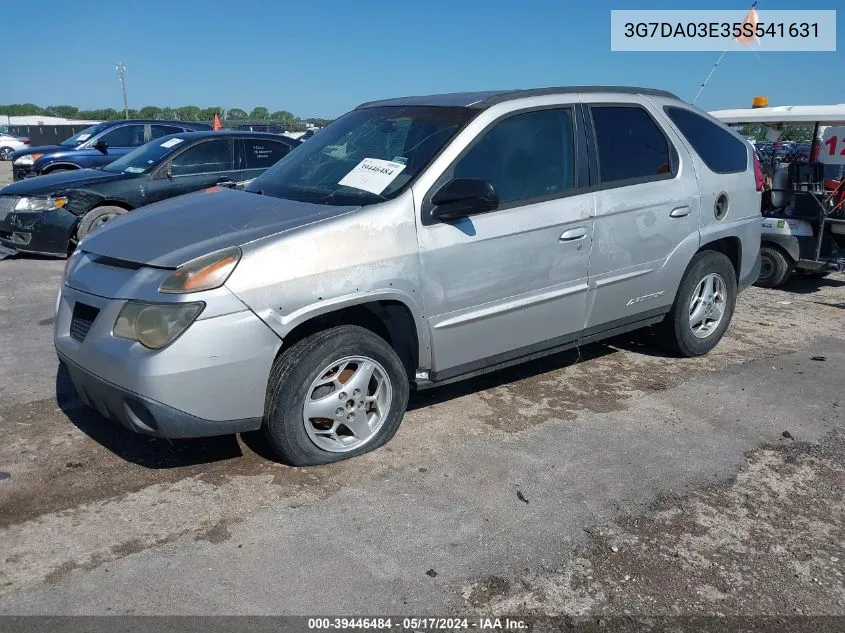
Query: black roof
x=192, y=136
x=187, y=124
x=485, y=99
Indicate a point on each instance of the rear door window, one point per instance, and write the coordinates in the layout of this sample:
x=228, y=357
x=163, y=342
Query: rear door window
x=204, y=158
x=631, y=146
x=261, y=153
x=720, y=150
x=125, y=136
x=157, y=130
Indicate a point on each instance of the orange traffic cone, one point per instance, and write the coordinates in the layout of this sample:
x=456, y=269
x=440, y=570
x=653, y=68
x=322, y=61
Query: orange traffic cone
x=216, y=124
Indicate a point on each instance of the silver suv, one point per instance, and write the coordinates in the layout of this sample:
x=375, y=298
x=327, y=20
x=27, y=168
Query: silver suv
x=412, y=242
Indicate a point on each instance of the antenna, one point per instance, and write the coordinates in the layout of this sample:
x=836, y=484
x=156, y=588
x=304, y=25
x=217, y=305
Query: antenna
x=121, y=73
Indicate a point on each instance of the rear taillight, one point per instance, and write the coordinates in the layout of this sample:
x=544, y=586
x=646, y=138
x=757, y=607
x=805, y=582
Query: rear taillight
x=25, y=141
x=759, y=179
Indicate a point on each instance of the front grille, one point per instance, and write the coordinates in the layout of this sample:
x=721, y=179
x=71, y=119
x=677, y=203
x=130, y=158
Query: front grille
x=82, y=320
x=7, y=205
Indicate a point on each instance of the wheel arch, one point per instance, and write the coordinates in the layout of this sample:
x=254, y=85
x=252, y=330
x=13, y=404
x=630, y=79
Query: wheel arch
x=389, y=315
x=730, y=246
x=787, y=243
x=111, y=203
x=58, y=165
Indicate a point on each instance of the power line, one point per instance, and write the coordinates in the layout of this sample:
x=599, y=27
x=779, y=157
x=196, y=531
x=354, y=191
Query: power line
x=121, y=73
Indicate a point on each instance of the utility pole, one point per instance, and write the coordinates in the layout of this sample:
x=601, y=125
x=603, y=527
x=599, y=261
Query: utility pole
x=121, y=73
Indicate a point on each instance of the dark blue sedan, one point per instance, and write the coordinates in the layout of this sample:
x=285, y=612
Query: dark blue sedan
x=49, y=214
x=95, y=146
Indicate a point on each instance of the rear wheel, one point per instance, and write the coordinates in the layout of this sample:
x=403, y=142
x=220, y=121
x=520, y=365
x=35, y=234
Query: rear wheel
x=775, y=266
x=703, y=307
x=334, y=395
x=95, y=219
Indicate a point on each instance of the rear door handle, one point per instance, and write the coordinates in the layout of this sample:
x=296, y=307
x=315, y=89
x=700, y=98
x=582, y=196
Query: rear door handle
x=679, y=212
x=573, y=234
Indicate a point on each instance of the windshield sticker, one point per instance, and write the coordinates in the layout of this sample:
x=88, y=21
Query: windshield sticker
x=373, y=175
x=171, y=142
x=83, y=137
x=400, y=159
x=134, y=170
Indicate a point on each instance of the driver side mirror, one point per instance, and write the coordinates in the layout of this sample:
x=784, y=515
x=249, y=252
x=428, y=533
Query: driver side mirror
x=101, y=146
x=462, y=197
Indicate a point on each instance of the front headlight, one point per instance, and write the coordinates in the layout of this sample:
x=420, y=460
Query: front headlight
x=41, y=203
x=155, y=325
x=28, y=159
x=203, y=273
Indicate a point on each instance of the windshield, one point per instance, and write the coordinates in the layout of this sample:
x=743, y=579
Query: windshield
x=84, y=135
x=364, y=157
x=145, y=158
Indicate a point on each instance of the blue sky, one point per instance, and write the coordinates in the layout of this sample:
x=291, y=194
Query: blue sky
x=321, y=58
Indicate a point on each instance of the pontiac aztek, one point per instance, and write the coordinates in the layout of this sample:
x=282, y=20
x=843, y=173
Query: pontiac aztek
x=412, y=242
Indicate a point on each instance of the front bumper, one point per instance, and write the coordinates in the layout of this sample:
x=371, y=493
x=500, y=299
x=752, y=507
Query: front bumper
x=143, y=415
x=43, y=232
x=211, y=381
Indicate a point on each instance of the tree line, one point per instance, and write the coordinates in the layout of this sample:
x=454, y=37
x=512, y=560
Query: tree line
x=183, y=113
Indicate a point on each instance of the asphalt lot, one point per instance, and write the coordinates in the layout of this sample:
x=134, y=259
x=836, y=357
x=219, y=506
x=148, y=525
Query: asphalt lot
x=608, y=480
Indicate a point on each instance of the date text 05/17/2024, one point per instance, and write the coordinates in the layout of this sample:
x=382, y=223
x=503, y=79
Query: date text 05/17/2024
x=417, y=624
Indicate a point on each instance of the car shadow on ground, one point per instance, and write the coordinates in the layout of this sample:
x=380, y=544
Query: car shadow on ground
x=808, y=284
x=145, y=451
x=522, y=371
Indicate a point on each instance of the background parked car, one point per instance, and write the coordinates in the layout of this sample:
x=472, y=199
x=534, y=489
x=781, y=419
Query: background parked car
x=49, y=214
x=95, y=146
x=9, y=143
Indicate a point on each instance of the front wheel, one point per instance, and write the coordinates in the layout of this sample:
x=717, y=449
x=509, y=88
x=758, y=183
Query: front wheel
x=6, y=153
x=775, y=267
x=703, y=307
x=95, y=219
x=334, y=395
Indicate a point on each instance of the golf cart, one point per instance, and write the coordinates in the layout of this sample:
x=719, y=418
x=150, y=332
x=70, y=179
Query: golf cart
x=804, y=191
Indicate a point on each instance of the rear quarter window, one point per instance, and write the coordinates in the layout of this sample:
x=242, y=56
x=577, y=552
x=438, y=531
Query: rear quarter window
x=262, y=153
x=720, y=150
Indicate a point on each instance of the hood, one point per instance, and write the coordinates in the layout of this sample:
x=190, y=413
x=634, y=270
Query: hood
x=170, y=233
x=50, y=183
x=42, y=149
x=70, y=152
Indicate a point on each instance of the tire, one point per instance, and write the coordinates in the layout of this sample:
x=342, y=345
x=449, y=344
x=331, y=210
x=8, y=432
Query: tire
x=776, y=267
x=58, y=170
x=5, y=153
x=95, y=218
x=315, y=369
x=689, y=332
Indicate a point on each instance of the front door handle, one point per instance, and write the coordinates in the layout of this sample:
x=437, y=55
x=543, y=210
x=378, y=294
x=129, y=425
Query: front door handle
x=226, y=182
x=573, y=234
x=679, y=212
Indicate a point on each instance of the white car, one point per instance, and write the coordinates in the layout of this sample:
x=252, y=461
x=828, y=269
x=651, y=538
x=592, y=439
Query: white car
x=10, y=143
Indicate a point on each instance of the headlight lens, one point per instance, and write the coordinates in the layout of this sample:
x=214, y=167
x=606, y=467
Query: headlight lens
x=155, y=325
x=40, y=204
x=28, y=159
x=203, y=273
